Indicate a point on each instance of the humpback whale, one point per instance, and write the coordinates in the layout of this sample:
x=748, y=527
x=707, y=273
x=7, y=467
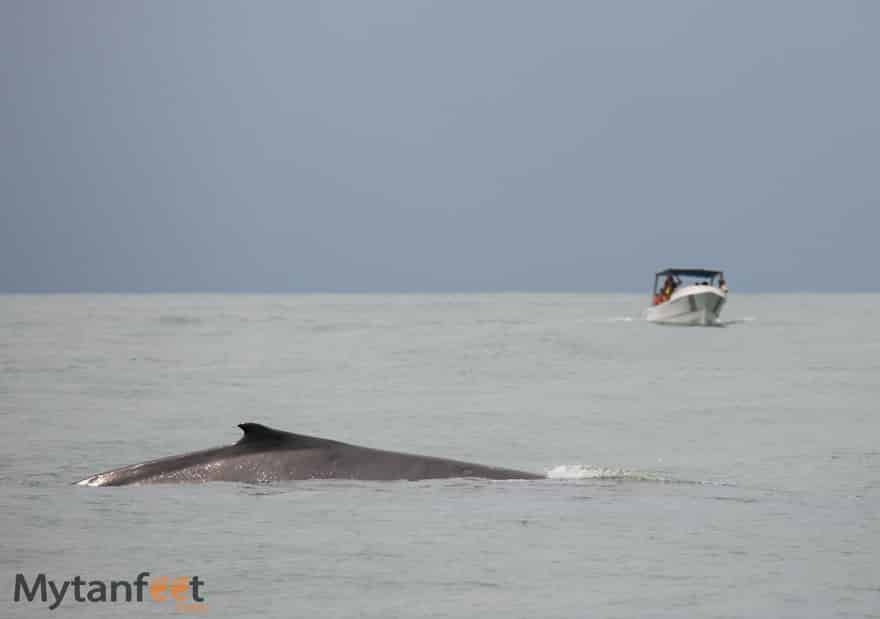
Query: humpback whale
x=265, y=454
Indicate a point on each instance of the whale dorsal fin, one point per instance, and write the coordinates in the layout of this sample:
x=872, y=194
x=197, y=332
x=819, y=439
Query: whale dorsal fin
x=257, y=433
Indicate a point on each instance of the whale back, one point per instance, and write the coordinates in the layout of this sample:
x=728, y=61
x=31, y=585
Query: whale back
x=266, y=454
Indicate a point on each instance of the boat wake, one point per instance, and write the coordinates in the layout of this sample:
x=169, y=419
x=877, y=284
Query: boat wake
x=621, y=319
x=737, y=321
x=717, y=323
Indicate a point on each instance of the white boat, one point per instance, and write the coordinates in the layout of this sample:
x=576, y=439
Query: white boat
x=687, y=297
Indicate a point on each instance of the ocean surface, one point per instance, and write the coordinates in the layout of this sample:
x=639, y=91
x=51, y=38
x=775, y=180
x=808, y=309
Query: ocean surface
x=693, y=472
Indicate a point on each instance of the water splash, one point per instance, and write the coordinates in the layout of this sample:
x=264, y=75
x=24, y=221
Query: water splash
x=586, y=471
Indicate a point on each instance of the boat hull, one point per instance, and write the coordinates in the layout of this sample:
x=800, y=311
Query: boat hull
x=690, y=306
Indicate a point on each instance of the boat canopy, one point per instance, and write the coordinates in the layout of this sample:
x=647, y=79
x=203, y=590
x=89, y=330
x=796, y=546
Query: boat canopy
x=675, y=276
x=706, y=273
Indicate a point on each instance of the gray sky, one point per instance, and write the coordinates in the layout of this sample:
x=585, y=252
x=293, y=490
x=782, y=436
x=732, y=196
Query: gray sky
x=462, y=145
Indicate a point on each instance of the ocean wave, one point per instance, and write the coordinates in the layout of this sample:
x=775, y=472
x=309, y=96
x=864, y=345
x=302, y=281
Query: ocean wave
x=179, y=319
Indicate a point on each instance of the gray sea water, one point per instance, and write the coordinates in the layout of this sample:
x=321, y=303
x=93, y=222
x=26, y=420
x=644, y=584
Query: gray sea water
x=700, y=472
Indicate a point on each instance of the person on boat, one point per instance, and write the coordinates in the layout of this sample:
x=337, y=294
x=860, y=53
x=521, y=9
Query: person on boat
x=668, y=288
x=722, y=284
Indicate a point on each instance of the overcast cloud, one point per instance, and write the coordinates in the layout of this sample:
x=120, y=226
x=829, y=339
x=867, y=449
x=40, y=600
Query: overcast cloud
x=437, y=146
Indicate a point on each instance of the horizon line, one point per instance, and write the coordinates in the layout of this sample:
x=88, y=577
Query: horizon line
x=392, y=292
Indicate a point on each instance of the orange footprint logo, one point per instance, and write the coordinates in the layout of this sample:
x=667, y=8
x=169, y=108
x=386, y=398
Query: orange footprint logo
x=158, y=587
